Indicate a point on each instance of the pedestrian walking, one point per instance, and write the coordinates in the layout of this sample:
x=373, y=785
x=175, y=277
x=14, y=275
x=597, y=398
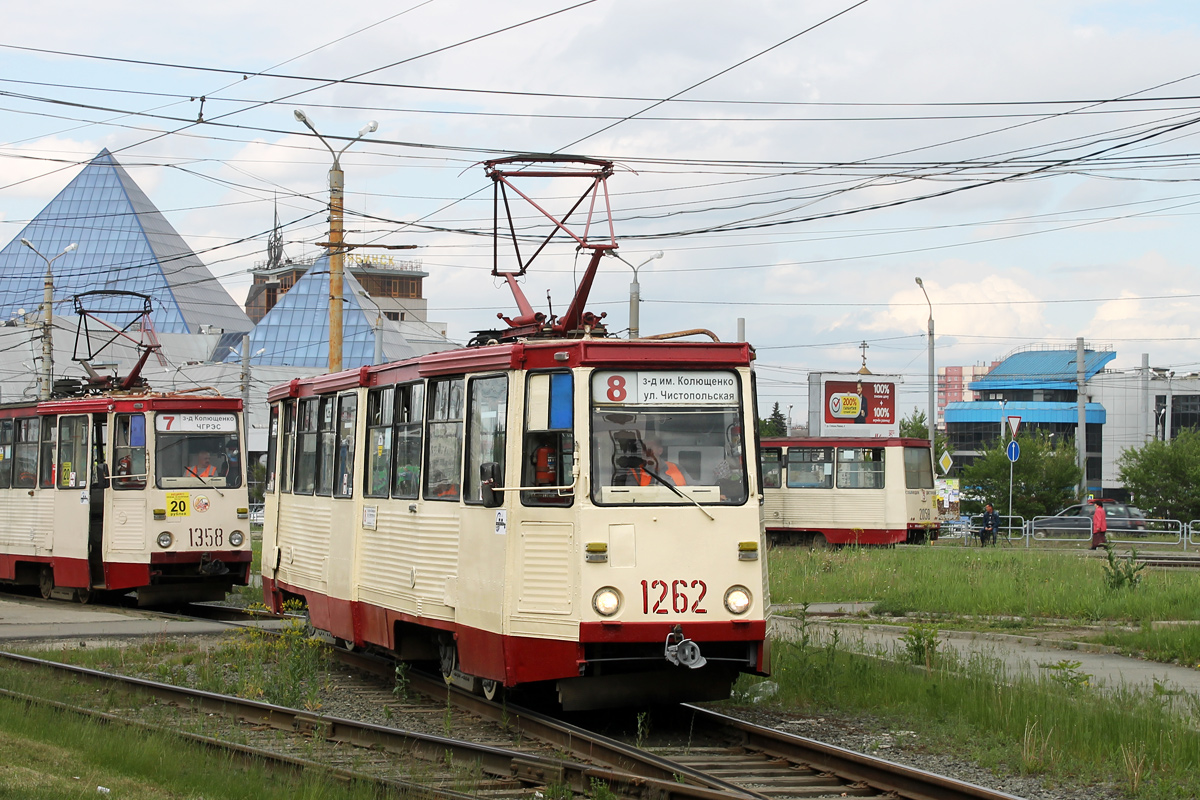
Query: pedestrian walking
x=991, y=524
x=1099, y=526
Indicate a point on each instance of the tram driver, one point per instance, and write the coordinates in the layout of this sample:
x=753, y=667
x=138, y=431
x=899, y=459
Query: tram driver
x=203, y=468
x=656, y=465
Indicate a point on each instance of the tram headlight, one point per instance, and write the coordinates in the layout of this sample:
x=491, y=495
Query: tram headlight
x=737, y=599
x=606, y=601
x=164, y=539
x=236, y=538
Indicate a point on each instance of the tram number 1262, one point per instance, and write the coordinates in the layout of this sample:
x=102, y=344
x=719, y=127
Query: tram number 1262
x=206, y=537
x=678, y=590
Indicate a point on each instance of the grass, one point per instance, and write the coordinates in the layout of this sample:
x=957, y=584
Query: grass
x=284, y=669
x=1177, y=645
x=979, y=582
x=1047, y=724
x=48, y=755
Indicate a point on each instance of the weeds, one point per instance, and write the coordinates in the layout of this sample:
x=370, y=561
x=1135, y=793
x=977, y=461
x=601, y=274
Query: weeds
x=1121, y=573
x=1066, y=673
x=1133, y=758
x=1037, y=756
x=600, y=790
x=643, y=729
x=920, y=644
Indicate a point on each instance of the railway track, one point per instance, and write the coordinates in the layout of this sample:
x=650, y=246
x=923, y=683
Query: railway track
x=520, y=751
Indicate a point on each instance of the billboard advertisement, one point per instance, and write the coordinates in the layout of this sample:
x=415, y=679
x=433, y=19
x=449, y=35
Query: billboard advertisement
x=856, y=405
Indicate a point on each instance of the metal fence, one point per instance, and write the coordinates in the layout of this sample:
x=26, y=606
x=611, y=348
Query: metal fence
x=1057, y=531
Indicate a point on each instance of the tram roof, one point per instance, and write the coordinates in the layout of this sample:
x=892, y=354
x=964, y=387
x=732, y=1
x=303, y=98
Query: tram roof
x=531, y=354
x=94, y=404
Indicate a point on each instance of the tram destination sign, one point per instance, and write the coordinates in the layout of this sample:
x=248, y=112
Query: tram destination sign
x=665, y=387
x=195, y=423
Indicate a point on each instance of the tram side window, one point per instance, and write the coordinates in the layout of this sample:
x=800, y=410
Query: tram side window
x=129, y=451
x=47, y=463
x=6, y=453
x=488, y=432
x=410, y=411
x=918, y=468
x=444, y=464
x=548, y=454
x=25, y=453
x=327, y=446
x=72, y=452
x=380, y=405
x=810, y=467
x=860, y=468
x=272, y=449
x=289, y=446
x=306, y=447
x=347, y=424
x=772, y=468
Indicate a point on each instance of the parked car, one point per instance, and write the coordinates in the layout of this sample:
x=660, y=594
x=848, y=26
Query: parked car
x=1076, y=520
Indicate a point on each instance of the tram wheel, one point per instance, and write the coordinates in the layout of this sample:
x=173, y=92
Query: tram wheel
x=46, y=582
x=491, y=689
x=818, y=542
x=447, y=659
x=84, y=596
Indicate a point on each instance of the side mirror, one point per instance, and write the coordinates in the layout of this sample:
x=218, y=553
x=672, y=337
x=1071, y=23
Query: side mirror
x=491, y=483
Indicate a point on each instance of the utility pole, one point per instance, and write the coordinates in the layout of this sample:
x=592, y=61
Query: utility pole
x=1081, y=408
x=337, y=251
x=48, y=318
x=932, y=378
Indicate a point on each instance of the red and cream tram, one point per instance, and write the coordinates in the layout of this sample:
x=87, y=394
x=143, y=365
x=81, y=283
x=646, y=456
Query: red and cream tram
x=836, y=491
x=121, y=491
x=550, y=507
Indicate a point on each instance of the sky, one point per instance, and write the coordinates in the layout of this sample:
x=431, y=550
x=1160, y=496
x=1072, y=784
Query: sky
x=798, y=164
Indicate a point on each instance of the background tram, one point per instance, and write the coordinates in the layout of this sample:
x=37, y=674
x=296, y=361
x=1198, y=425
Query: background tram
x=836, y=491
x=120, y=491
x=507, y=512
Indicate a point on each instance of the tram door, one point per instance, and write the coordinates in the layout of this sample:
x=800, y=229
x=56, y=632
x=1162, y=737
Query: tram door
x=72, y=500
x=98, y=482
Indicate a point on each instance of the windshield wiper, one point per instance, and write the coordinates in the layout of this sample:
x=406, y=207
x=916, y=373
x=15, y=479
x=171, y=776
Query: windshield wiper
x=675, y=489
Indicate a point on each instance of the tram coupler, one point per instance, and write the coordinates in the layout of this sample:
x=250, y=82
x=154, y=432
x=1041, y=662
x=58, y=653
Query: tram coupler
x=683, y=652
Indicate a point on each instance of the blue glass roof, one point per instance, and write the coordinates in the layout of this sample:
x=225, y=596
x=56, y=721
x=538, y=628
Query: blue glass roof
x=992, y=411
x=1041, y=369
x=124, y=243
x=296, y=331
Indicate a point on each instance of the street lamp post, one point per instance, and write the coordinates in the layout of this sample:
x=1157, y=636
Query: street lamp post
x=932, y=373
x=48, y=317
x=635, y=297
x=336, y=252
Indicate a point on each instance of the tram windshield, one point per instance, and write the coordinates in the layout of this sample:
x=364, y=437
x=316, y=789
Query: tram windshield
x=197, y=449
x=667, y=437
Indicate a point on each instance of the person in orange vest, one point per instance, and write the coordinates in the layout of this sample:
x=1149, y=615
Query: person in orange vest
x=203, y=467
x=657, y=463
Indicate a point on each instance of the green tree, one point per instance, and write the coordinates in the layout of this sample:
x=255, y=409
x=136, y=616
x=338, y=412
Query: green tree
x=916, y=426
x=774, y=425
x=1043, y=478
x=1164, y=477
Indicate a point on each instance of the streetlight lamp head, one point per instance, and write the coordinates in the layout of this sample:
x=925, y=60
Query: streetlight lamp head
x=370, y=127
x=70, y=247
x=27, y=243
x=300, y=116
x=920, y=284
x=659, y=254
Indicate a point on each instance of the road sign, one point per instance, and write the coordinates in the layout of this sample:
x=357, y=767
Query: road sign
x=1014, y=449
x=945, y=462
x=1014, y=423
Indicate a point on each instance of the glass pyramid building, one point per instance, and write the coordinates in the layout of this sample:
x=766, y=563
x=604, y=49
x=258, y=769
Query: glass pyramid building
x=124, y=243
x=296, y=331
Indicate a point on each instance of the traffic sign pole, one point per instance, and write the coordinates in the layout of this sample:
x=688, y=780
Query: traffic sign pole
x=1014, y=452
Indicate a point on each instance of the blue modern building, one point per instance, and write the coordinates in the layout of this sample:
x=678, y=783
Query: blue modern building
x=1039, y=385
